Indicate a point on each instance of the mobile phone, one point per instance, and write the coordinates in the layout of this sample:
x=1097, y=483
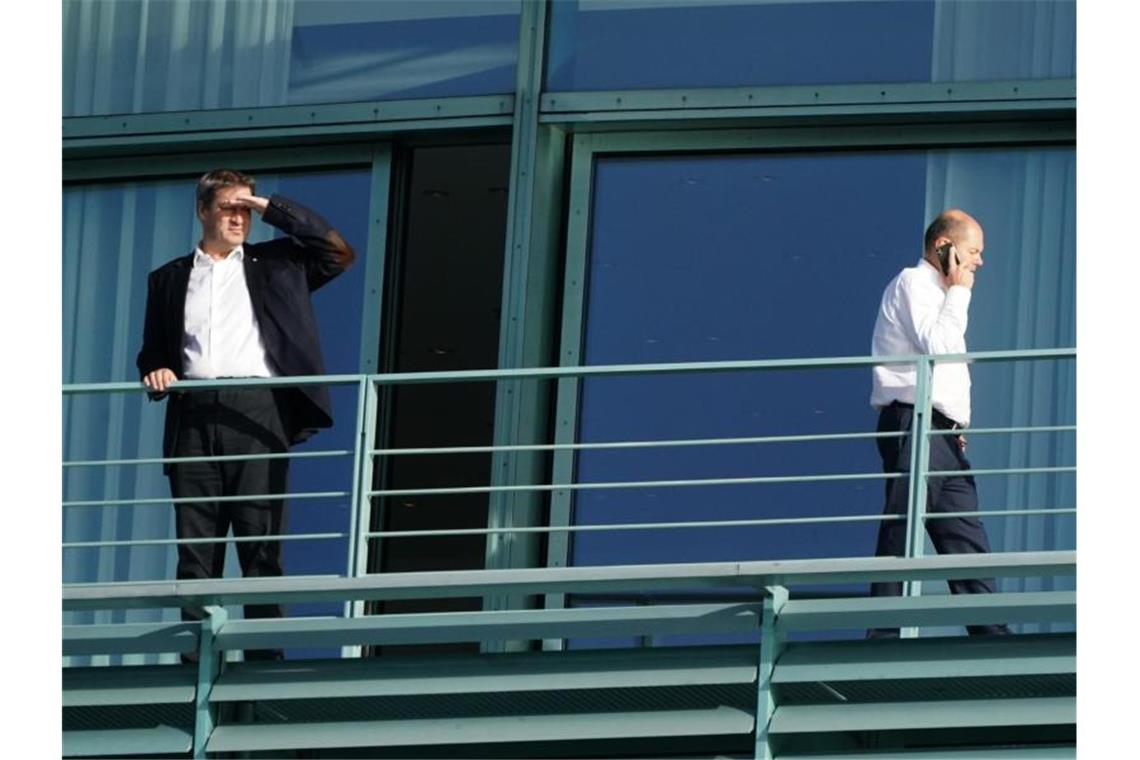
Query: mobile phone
x=944, y=252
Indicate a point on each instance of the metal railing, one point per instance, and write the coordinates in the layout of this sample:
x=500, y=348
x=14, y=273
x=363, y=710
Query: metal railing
x=361, y=492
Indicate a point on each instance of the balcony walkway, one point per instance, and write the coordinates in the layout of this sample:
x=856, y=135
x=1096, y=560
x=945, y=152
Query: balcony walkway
x=762, y=692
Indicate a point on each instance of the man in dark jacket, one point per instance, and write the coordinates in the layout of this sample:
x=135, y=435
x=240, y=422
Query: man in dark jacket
x=231, y=310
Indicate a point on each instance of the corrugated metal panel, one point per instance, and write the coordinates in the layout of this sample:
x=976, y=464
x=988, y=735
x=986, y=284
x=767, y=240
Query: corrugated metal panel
x=523, y=728
x=134, y=685
x=906, y=715
x=148, y=742
x=511, y=672
x=946, y=657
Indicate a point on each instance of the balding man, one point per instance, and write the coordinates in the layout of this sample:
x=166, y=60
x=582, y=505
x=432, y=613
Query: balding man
x=924, y=311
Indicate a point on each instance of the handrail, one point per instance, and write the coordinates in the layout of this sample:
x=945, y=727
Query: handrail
x=597, y=370
x=468, y=583
x=361, y=491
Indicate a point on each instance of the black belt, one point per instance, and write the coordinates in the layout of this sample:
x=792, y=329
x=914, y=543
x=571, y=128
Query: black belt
x=937, y=418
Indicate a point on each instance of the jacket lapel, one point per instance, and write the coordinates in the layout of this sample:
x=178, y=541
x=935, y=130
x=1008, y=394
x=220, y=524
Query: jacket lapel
x=176, y=314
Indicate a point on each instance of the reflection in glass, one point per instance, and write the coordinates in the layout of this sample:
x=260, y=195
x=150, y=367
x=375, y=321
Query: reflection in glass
x=141, y=56
x=779, y=256
x=652, y=44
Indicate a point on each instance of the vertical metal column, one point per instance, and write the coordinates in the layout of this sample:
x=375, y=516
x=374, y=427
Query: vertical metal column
x=919, y=464
x=573, y=305
x=209, y=666
x=360, y=516
x=515, y=407
x=771, y=644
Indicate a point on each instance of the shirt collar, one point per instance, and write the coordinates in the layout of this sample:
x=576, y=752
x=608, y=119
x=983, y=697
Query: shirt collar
x=203, y=260
x=932, y=272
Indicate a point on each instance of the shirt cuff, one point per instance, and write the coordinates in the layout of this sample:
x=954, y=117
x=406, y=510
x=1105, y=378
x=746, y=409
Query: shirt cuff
x=958, y=298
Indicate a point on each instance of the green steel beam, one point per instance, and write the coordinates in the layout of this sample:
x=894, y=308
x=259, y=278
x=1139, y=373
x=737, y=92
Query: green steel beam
x=518, y=404
x=227, y=121
x=130, y=637
x=514, y=672
x=941, y=609
x=142, y=742
x=473, y=583
x=453, y=627
x=569, y=355
x=361, y=511
x=810, y=100
x=134, y=685
x=771, y=649
x=941, y=657
x=375, y=258
x=915, y=545
x=210, y=664
x=965, y=714
x=719, y=721
x=823, y=136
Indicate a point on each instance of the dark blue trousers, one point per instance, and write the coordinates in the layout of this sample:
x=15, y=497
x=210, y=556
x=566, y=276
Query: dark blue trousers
x=956, y=493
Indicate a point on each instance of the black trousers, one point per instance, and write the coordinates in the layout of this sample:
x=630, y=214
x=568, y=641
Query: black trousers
x=229, y=422
x=954, y=493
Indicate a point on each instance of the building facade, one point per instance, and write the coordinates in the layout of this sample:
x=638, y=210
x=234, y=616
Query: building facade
x=578, y=183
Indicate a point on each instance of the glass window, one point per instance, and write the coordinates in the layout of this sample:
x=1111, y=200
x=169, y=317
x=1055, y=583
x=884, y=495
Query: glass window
x=114, y=234
x=141, y=56
x=726, y=257
x=623, y=44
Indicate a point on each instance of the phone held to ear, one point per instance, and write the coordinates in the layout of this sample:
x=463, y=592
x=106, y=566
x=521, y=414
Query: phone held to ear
x=944, y=252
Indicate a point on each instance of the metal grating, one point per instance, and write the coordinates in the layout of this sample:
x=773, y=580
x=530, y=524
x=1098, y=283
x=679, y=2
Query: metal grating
x=928, y=689
x=98, y=718
x=412, y=707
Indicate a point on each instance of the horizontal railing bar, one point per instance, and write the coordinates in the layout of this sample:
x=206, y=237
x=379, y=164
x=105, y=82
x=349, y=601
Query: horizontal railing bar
x=218, y=458
x=179, y=541
x=470, y=583
x=999, y=513
x=288, y=381
x=1003, y=471
x=626, y=444
x=203, y=499
x=401, y=378
x=696, y=441
x=987, y=431
x=637, y=484
x=632, y=526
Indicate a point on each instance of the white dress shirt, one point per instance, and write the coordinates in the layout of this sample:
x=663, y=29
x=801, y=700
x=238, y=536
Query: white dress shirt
x=220, y=334
x=919, y=315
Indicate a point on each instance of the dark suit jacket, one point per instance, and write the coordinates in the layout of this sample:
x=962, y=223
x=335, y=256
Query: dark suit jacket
x=280, y=274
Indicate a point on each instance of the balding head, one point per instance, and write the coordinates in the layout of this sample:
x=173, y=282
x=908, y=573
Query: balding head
x=954, y=224
x=956, y=228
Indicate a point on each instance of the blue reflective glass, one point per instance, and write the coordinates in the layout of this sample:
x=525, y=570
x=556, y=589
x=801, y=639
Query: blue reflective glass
x=624, y=44
x=781, y=256
x=141, y=56
x=113, y=235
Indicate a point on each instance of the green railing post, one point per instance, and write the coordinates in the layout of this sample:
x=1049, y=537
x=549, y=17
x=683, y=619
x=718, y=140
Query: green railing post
x=919, y=464
x=360, y=515
x=209, y=666
x=771, y=644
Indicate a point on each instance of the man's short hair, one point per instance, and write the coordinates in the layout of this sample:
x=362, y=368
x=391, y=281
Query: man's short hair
x=210, y=182
x=944, y=225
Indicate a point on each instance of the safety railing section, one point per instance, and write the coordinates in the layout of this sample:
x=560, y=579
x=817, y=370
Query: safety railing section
x=365, y=455
x=776, y=685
